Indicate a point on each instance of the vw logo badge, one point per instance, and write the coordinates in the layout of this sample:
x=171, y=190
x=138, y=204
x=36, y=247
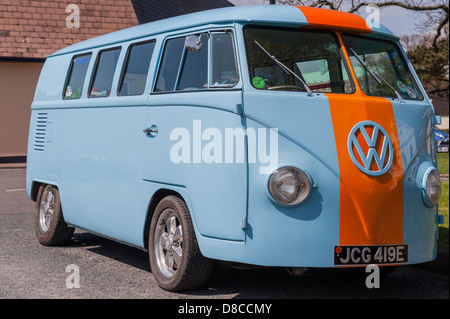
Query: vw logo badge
x=379, y=155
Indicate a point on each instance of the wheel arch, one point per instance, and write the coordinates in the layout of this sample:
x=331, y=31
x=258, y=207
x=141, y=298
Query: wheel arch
x=154, y=201
x=35, y=189
x=36, y=184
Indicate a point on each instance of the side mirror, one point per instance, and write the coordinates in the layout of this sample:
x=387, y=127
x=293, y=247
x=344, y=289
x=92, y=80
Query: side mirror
x=193, y=43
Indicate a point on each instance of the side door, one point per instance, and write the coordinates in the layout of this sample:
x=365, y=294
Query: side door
x=193, y=108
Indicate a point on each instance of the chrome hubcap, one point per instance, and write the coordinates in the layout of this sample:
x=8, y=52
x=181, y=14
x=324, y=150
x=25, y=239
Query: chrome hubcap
x=46, y=210
x=168, y=241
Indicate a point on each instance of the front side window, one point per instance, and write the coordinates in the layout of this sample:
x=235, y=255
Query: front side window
x=313, y=56
x=207, y=63
x=194, y=70
x=223, y=69
x=104, y=73
x=384, y=72
x=77, y=75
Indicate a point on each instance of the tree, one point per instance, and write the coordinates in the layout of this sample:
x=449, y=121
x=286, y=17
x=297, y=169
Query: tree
x=437, y=10
x=429, y=52
x=431, y=62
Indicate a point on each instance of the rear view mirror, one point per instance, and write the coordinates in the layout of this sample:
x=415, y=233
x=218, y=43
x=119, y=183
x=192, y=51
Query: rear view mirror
x=193, y=43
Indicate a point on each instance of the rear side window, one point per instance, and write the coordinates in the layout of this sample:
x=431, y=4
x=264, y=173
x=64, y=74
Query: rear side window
x=77, y=75
x=104, y=73
x=135, y=72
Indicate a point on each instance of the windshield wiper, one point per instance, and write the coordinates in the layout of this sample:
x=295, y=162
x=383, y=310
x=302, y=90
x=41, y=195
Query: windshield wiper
x=375, y=75
x=285, y=69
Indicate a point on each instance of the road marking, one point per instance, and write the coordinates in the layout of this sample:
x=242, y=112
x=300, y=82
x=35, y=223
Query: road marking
x=16, y=190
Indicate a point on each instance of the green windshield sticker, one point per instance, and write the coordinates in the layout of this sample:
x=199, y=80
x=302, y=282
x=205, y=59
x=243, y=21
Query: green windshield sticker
x=258, y=82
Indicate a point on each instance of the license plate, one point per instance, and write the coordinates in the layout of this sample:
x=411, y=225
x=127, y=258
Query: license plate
x=366, y=255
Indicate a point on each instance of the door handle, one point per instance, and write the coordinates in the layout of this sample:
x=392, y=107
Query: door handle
x=151, y=131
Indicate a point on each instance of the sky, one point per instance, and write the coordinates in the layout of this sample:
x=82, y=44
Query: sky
x=400, y=21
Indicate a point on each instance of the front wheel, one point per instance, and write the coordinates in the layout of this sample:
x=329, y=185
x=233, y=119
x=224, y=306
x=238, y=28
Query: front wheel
x=175, y=258
x=49, y=222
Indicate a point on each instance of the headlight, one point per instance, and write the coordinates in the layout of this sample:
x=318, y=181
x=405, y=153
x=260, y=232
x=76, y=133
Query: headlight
x=289, y=186
x=431, y=187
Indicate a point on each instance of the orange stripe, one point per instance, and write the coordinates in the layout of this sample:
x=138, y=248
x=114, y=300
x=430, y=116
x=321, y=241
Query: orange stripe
x=336, y=20
x=371, y=208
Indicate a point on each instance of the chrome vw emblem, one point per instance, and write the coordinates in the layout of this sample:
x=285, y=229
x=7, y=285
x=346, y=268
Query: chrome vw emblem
x=370, y=148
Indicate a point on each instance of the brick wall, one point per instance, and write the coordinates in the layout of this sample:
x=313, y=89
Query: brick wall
x=35, y=29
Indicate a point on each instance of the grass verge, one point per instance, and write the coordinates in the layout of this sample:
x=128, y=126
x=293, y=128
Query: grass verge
x=443, y=168
x=443, y=210
x=442, y=159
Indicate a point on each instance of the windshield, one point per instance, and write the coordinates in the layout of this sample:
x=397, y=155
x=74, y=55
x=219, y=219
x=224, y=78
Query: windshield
x=313, y=56
x=385, y=59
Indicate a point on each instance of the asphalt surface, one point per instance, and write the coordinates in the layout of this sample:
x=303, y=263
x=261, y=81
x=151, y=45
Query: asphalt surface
x=109, y=270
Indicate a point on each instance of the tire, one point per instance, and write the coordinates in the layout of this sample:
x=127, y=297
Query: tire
x=51, y=230
x=175, y=258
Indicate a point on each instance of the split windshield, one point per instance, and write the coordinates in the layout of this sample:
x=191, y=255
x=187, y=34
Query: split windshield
x=314, y=58
x=385, y=60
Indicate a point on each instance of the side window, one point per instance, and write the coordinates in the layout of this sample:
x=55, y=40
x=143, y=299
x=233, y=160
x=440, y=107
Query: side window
x=104, y=73
x=207, y=66
x=77, y=75
x=223, y=69
x=170, y=65
x=135, y=73
x=194, y=72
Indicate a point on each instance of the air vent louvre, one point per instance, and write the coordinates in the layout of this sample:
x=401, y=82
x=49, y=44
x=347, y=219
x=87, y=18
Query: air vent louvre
x=39, y=132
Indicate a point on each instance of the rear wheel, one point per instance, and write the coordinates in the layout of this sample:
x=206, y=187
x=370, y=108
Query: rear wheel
x=175, y=258
x=49, y=222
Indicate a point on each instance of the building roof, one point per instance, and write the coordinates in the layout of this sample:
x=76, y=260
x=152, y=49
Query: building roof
x=35, y=28
x=152, y=10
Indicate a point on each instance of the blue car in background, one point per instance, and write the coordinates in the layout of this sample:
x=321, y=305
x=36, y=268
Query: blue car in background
x=441, y=139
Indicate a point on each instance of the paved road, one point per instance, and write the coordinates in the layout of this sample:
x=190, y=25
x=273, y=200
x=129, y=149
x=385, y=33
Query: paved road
x=111, y=270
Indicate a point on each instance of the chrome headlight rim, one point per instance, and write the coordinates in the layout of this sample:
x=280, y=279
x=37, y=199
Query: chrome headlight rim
x=431, y=172
x=307, y=178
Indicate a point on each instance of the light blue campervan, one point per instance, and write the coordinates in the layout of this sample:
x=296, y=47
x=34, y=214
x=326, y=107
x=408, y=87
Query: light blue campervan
x=250, y=134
